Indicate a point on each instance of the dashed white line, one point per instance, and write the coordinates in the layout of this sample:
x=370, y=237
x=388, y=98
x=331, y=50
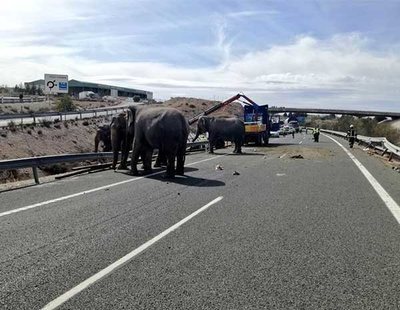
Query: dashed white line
x=383, y=194
x=102, y=273
x=282, y=156
x=92, y=190
x=300, y=142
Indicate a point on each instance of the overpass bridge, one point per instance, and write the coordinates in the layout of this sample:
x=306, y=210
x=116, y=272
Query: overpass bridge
x=393, y=115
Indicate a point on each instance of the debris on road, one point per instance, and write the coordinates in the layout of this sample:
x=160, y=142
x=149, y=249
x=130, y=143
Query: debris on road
x=218, y=167
x=235, y=173
x=297, y=156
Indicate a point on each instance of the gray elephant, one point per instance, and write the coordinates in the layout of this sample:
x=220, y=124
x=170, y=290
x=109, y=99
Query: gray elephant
x=120, y=140
x=103, y=134
x=218, y=128
x=160, y=128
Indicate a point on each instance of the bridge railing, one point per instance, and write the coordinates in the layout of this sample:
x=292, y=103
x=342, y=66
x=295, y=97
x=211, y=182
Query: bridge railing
x=378, y=143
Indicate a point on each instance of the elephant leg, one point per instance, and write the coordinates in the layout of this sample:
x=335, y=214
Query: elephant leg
x=180, y=161
x=147, y=156
x=170, y=166
x=211, y=147
x=115, y=157
x=135, y=158
x=161, y=160
x=239, y=147
x=126, y=146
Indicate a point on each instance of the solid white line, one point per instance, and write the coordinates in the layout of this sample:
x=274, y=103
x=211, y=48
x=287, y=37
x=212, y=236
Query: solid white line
x=383, y=194
x=102, y=273
x=92, y=190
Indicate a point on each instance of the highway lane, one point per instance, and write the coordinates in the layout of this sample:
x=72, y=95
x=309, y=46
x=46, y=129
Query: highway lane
x=289, y=233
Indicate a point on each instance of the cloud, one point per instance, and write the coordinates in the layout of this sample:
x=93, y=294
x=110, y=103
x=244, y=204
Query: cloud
x=338, y=71
x=246, y=14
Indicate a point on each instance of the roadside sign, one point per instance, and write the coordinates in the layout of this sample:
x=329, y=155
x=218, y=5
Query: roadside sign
x=55, y=84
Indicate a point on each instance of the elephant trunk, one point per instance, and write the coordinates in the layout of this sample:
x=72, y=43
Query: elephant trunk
x=195, y=138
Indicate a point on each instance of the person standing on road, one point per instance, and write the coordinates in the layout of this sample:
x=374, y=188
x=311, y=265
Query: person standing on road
x=351, y=135
x=316, y=134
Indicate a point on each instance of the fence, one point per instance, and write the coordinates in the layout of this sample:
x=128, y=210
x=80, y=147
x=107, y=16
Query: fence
x=17, y=100
x=34, y=117
x=380, y=144
x=35, y=162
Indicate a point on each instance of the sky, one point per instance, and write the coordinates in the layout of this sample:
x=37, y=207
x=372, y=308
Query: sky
x=341, y=54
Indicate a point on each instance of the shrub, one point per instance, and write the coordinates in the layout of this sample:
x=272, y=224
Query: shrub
x=192, y=106
x=45, y=123
x=66, y=124
x=29, y=131
x=12, y=126
x=65, y=104
x=58, y=126
x=40, y=132
x=26, y=107
x=57, y=120
x=85, y=123
x=14, y=110
x=3, y=134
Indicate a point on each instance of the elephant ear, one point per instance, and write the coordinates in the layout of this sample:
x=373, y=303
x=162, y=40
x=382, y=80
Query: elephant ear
x=131, y=116
x=203, y=123
x=130, y=124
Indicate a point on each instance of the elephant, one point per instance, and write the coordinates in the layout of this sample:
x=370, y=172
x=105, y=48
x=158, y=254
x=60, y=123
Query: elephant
x=103, y=134
x=119, y=140
x=227, y=129
x=162, y=128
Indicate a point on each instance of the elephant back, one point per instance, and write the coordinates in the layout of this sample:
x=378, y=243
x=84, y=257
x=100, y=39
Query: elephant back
x=161, y=124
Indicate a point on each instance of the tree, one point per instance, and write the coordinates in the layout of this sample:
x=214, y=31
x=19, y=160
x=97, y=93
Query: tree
x=65, y=104
x=33, y=90
x=40, y=91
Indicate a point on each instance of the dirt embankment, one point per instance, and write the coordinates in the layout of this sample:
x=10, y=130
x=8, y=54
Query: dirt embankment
x=76, y=136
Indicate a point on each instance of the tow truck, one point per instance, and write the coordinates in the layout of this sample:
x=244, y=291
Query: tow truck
x=256, y=118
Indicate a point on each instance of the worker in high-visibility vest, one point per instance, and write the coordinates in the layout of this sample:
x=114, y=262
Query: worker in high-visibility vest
x=351, y=135
x=316, y=134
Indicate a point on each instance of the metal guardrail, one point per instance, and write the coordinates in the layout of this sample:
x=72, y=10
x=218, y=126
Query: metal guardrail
x=17, y=100
x=35, y=162
x=379, y=143
x=50, y=114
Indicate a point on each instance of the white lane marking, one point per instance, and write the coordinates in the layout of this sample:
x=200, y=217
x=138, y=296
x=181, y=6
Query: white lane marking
x=92, y=190
x=383, y=194
x=102, y=273
x=283, y=155
x=280, y=174
x=300, y=142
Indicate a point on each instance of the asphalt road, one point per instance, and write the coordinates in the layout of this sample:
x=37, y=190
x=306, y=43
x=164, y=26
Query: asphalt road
x=287, y=233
